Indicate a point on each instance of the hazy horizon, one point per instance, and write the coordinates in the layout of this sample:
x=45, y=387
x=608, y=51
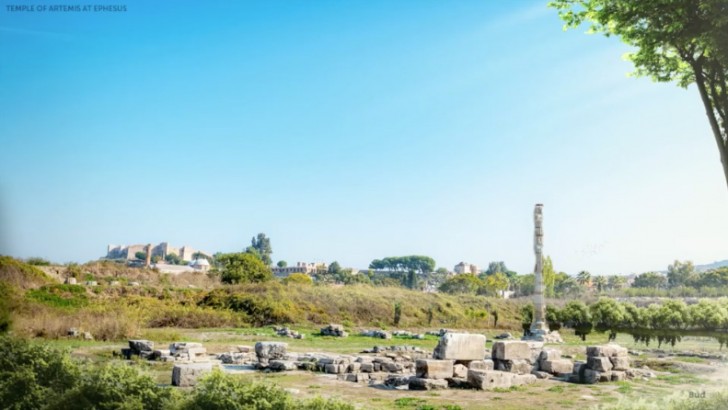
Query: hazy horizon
x=350, y=132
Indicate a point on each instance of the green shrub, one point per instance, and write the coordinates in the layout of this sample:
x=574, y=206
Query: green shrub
x=115, y=387
x=61, y=296
x=224, y=392
x=32, y=375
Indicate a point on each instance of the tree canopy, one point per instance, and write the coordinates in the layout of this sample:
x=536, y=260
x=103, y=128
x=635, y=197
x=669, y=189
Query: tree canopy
x=413, y=263
x=685, y=41
x=242, y=267
x=260, y=246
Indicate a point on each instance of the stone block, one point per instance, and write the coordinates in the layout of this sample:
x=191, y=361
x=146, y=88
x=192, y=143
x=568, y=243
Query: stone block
x=395, y=380
x=282, y=365
x=549, y=354
x=620, y=363
x=186, y=375
x=460, y=346
x=392, y=367
x=486, y=364
x=610, y=350
x=353, y=367
x=618, y=376
x=522, y=379
x=489, y=379
x=520, y=366
x=183, y=347
x=367, y=367
x=605, y=376
x=434, y=369
x=557, y=367
x=511, y=350
x=460, y=371
x=138, y=346
x=600, y=364
x=266, y=351
x=416, y=383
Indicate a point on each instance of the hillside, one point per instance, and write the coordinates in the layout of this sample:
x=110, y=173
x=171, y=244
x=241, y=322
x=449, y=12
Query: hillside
x=126, y=301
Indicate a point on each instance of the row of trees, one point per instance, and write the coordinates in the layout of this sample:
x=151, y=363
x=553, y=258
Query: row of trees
x=607, y=314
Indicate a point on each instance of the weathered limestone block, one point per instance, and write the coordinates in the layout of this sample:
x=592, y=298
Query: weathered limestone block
x=610, y=350
x=486, y=364
x=521, y=379
x=557, y=367
x=393, y=367
x=460, y=371
x=600, y=364
x=353, y=367
x=489, y=379
x=460, y=346
x=605, y=376
x=549, y=354
x=266, y=351
x=281, y=365
x=367, y=367
x=183, y=347
x=394, y=380
x=620, y=363
x=334, y=330
x=511, y=350
x=434, y=369
x=185, y=375
x=244, y=349
x=138, y=346
x=416, y=383
x=514, y=366
x=618, y=376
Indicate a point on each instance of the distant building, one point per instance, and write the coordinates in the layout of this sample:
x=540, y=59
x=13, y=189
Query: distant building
x=201, y=265
x=163, y=249
x=463, y=267
x=301, y=267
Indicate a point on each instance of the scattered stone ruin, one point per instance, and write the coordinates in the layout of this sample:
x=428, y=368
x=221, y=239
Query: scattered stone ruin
x=334, y=330
x=460, y=360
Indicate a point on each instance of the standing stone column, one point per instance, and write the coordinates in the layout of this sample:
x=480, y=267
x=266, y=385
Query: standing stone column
x=539, y=325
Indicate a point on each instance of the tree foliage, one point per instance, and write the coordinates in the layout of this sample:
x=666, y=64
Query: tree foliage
x=679, y=273
x=260, y=246
x=650, y=280
x=415, y=263
x=685, y=41
x=242, y=267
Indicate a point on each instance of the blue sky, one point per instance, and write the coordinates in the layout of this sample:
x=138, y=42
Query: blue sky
x=348, y=131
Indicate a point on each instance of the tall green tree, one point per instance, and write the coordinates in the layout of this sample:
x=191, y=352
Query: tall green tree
x=242, y=267
x=679, y=273
x=600, y=282
x=260, y=246
x=685, y=41
x=583, y=278
x=650, y=280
